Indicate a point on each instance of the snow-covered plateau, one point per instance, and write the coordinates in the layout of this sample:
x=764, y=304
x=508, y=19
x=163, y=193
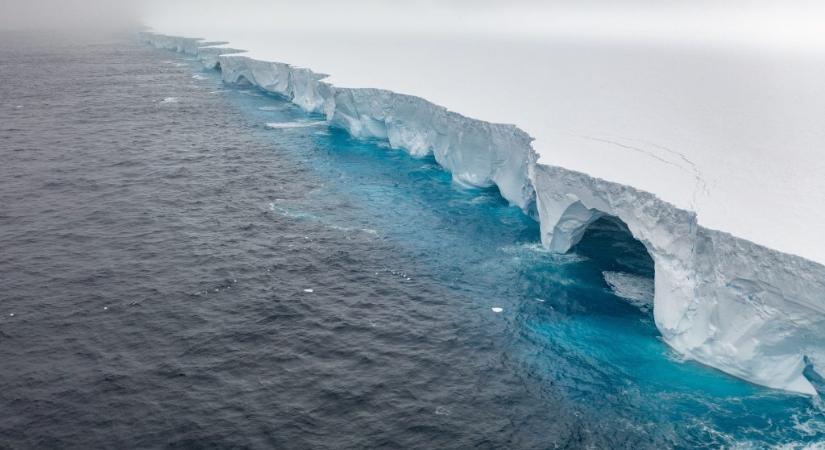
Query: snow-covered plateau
x=728, y=203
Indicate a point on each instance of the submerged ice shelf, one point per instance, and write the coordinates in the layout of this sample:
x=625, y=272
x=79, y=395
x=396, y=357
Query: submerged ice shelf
x=727, y=302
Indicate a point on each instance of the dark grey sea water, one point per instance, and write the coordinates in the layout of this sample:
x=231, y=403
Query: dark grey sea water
x=174, y=273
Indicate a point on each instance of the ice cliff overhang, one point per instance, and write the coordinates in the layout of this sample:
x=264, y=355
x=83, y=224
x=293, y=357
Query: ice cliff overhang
x=743, y=308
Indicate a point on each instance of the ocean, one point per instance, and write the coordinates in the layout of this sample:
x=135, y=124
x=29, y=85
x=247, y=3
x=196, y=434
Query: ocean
x=190, y=264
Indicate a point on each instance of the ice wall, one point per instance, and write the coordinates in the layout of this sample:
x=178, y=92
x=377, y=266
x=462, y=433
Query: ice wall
x=742, y=308
x=739, y=307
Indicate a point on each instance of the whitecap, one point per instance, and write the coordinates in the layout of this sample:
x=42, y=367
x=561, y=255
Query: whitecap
x=535, y=249
x=481, y=199
x=809, y=426
x=169, y=100
x=349, y=229
x=291, y=214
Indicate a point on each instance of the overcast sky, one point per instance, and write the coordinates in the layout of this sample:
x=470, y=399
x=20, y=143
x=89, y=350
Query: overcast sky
x=58, y=14
x=786, y=23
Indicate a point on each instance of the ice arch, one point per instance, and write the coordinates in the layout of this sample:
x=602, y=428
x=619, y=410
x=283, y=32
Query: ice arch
x=568, y=202
x=571, y=226
x=607, y=240
x=719, y=300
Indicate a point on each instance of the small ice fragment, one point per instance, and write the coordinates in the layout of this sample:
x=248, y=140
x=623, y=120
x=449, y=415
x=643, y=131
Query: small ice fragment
x=105, y=308
x=496, y=309
x=11, y=314
x=637, y=290
x=308, y=290
x=299, y=124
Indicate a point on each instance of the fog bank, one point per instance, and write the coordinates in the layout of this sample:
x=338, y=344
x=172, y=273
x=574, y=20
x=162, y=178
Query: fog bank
x=69, y=14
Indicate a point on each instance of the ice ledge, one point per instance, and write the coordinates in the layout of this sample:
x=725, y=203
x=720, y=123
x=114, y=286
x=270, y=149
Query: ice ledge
x=747, y=310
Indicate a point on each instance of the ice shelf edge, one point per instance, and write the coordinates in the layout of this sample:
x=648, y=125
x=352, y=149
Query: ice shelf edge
x=747, y=310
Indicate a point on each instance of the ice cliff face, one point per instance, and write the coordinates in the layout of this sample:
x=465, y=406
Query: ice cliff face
x=742, y=308
x=747, y=310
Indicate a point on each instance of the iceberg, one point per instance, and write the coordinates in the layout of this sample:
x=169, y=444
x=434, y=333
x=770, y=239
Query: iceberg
x=753, y=310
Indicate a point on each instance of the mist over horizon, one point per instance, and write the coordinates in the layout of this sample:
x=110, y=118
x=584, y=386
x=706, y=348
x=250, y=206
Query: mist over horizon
x=793, y=24
x=69, y=15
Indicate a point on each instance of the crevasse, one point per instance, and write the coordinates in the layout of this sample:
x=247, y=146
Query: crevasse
x=742, y=308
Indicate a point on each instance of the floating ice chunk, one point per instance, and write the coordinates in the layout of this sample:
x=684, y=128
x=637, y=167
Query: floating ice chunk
x=198, y=76
x=169, y=100
x=636, y=289
x=496, y=309
x=309, y=290
x=298, y=124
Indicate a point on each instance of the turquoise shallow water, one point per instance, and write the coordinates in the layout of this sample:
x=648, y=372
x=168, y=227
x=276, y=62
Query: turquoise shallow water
x=191, y=264
x=564, y=325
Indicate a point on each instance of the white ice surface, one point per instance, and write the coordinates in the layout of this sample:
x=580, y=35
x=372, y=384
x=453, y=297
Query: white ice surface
x=732, y=131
